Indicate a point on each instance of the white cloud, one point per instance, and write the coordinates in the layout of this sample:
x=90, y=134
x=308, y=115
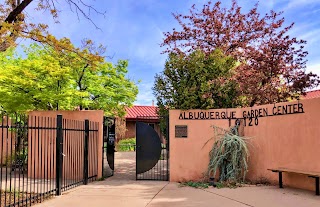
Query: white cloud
x=144, y=45
x=315, y=68
x=316, y=11
x=145, y=96
x=293, y=4
x=311, y=36
x=269, y=4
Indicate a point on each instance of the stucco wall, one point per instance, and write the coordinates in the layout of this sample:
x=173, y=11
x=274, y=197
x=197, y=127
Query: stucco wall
x=48, y=138
x=131, y=129
x=290, y=140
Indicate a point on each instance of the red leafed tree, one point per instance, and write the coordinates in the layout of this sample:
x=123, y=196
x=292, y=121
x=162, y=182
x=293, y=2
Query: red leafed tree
x=272, y=64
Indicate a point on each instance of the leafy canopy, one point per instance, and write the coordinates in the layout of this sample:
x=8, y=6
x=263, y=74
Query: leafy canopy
x=197, y=81
x=48, y=80
x=273, y=63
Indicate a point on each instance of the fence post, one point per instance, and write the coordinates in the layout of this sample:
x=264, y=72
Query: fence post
x=59, y=146
x=86, y=143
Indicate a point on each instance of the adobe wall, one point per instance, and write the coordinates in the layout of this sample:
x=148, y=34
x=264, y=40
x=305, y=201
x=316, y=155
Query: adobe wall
x=285, y=135
x=131, y=129
x=7, y=141
x=48, y=138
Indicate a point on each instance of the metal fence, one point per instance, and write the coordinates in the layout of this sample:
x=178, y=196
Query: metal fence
x=43, y=156
x=108, y=147
x=152, y=150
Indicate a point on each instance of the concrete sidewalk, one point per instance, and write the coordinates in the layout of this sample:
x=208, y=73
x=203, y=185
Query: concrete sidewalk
x=122, y=190
x=156, y=194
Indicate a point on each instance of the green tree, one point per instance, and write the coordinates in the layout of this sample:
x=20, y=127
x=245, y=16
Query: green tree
x=49, y=80
x=197, y=81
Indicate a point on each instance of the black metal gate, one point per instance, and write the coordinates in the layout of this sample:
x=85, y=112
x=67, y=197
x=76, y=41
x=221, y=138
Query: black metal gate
x=152, y=150
x=44, y=156
x=108, y=146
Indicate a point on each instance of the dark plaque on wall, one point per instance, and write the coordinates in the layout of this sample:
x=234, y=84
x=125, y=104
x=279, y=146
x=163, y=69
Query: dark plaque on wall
x=181, y=131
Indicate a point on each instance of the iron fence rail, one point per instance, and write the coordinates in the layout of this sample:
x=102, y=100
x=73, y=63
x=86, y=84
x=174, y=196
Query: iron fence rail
x=108, y=146
x=160, y=171
x=43, y=156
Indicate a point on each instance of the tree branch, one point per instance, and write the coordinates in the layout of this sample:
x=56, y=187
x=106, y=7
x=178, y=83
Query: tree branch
x=18, y=10
x=46, y=41
x=96, y=97
x=80, y=78
x=37, y=101
x=77, y=7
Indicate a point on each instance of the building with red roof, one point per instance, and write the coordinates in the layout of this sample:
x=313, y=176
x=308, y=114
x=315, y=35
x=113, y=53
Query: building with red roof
x=135, y=112
x=147, y=114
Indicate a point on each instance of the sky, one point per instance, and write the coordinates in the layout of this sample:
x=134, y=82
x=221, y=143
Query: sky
x=133, y=30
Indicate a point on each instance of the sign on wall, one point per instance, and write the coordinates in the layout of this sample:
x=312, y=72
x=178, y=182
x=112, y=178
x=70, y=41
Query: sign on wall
x=250, y=117
x=181, y=131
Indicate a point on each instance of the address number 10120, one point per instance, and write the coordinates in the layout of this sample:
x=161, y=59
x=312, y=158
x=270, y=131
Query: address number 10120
x=250, y=121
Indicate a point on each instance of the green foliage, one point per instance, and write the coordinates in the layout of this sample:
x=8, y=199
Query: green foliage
x=229, y=155
x=47, y=80
x=219, y=185
x=126, y=145
x=15, y=160
x=17, y=157
x=195, y=184
x=229, y=184
x=102, y=178
x=197, y=81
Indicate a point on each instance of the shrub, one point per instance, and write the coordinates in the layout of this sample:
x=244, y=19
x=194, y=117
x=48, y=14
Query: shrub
x=126, y=145
x=229, y=155
x=17, y=157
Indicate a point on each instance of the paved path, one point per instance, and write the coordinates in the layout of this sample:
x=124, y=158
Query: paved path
x=122, y=190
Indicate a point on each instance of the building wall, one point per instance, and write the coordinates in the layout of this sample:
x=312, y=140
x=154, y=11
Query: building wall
x=291, y=141
x=46, y=139
x=131, y=129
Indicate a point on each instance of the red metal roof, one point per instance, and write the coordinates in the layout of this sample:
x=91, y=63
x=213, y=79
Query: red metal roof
x=141, y=111
x=312, y=94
